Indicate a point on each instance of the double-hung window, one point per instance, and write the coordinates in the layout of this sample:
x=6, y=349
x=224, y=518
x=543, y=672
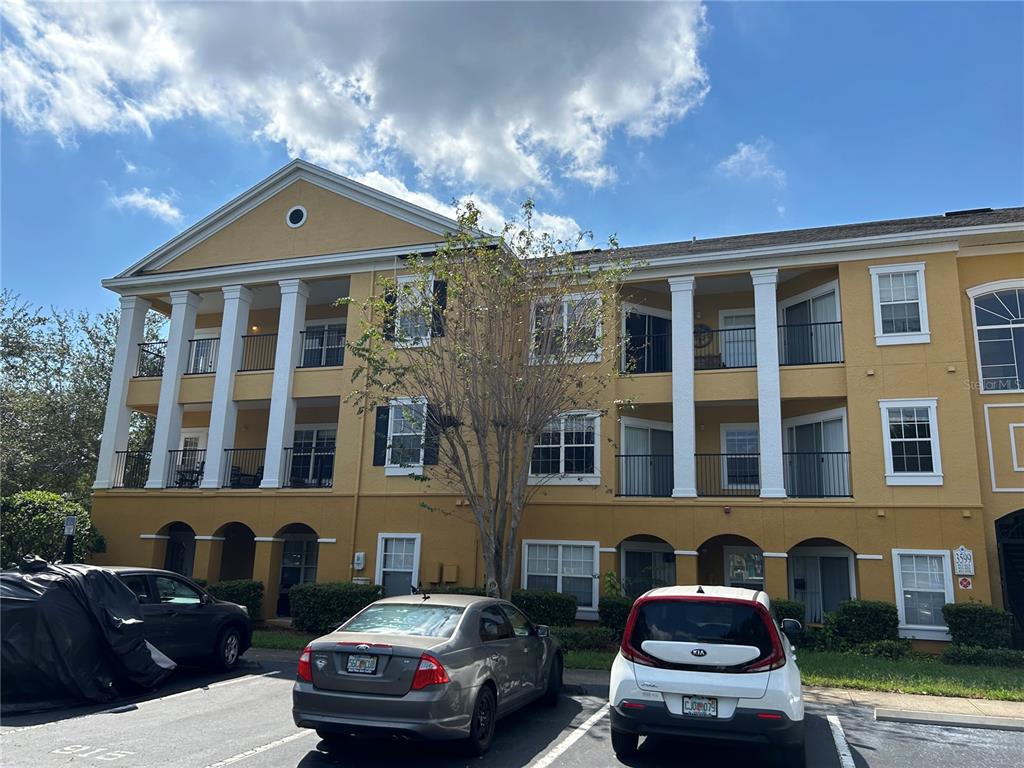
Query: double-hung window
x=566, y=450
x=570, y=326
x=406, y=430
x=413, y=311
x=999, y=335
x=924, y=583
x=741, y=467
x=900, y=304
x=569, y=567
x=911, y=442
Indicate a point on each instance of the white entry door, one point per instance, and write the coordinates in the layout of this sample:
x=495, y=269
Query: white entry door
x=739, y=347
x=817, y=461
x=398, y=562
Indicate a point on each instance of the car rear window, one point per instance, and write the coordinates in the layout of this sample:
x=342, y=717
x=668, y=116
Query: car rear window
x=401, y=619
x=701, y=621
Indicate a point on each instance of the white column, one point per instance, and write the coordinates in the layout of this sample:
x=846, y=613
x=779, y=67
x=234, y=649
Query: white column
x=130, y=330
x=684, y=434
x=281, y=422
x=769, y=398
x=167, y=433
x=224, y=410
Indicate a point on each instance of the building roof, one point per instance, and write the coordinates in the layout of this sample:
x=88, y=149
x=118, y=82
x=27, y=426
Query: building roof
x=953, y=220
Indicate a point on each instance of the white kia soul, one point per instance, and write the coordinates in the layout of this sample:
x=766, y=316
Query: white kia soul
x=708, y=663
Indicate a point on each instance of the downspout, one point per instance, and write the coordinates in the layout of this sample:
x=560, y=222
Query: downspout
x=359, y=461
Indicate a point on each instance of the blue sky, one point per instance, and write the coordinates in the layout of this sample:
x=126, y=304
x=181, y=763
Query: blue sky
x=124, y=124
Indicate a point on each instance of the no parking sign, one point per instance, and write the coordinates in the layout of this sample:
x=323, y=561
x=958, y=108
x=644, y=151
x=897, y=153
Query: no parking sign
x=966, y=583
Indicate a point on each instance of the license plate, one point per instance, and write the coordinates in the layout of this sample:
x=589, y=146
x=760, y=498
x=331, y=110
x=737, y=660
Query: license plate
x=700, y=706
x=361, y=664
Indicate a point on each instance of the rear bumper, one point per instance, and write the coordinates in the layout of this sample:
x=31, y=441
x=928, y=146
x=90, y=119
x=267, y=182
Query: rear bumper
x=438, y=714
x=744, y=725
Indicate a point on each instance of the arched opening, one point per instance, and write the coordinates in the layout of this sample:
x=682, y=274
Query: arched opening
x=821, y=576
x=646, y=562
x=180, y=554
x=299, y=554
x=730, y=561
x=1010, y=543
x=238, y=552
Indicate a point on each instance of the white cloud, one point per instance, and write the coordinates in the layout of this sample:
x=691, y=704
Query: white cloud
x=753, y=161
x=159, y=205
x=497, y=98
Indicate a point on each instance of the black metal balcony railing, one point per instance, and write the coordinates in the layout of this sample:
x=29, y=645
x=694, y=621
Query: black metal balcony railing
x=728, y=474
x=185, y=468
x=131, y=468
x=243, y=467
x=645, y=474
x=258, y=351
x=810, y=343
x=725, y=348
x=202, y=356
x=818, y=475
x=309, y=467
x=151, y=359
x=321, y=347
x=648, y=353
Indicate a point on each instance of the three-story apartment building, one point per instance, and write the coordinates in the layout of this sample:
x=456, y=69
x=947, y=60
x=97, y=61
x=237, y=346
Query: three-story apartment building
x=823, y=413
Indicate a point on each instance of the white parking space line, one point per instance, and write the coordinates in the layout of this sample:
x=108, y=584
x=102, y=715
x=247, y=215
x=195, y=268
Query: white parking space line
x=258, y=750
x=560, y=748
x=842, y=748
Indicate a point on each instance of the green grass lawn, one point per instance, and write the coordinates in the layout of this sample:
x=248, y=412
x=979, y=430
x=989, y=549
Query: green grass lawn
x=281, y=639
x=589, y=659
x=913, y=675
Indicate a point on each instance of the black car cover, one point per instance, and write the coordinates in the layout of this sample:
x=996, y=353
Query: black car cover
x=71, y=633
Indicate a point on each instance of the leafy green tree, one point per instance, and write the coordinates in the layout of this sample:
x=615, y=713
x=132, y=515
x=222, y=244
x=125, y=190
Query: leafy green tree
x=500, y=335
x=33, y=524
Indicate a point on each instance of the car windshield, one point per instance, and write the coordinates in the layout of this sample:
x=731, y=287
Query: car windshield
x=403, y=619
x=701, y=621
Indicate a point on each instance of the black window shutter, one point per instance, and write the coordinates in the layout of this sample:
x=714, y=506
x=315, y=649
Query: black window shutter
x=390, y=315
x=431, y=435
x=440, y=305
x=380, y=437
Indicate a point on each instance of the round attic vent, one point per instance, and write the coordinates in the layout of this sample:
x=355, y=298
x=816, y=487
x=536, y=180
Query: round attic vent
x=296, y=216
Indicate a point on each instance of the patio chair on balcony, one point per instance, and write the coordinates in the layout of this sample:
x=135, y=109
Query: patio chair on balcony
x=189, y=477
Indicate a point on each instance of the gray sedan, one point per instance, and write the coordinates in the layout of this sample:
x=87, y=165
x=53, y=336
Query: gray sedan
x=432, y=666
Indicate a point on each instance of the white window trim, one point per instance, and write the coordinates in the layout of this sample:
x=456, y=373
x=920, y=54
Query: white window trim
x=581, y=613
x=398, y=470
x=973, y=293
x=342, y=321
x=579, y=479
x=814, y=418
x=819, y=552
x=418, y=342
x=736, y=312
x=203, y=433
x=923, y=336
x=736, y=427
x=592, y=357
x=919, y=631
x=813, y=293
x=288, y=216
x=739, y=550
x=378, y=570
x=629, y=308
x=912, y=478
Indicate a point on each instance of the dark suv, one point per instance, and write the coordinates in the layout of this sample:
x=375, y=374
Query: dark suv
x=184, y=621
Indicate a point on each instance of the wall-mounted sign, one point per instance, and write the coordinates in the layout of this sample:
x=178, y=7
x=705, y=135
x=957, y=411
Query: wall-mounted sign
x=963, y=561
x=966, y=582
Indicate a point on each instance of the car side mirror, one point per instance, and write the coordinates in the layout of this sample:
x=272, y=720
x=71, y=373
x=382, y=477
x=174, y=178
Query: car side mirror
x=791, y=628
x=542, y=630
x=205, y=599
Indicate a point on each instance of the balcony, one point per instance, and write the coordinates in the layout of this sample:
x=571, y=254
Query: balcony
x=258, y=352
x=243, y=467
x=811, y=343
x=131, y=469
x=645, y=475
x=185, y=468
x=321, y=347
x=309, y=467
x=817, y=475
x=647, y=353
x=202, y=356
x=151, y=359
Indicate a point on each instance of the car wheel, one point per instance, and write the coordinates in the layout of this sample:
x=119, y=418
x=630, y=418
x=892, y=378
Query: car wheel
x=481, y=727
x=229, y=648
x=624, y=743
x=554, y=683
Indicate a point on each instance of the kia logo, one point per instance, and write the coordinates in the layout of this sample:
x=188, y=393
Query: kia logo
x=699, y=652
x=362, y=647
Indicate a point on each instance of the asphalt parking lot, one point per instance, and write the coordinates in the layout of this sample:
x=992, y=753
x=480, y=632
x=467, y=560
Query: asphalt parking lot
x=201, y=720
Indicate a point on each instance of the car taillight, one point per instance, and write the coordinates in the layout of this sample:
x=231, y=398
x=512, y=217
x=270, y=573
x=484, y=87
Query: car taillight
x=629, y=651
x=305, y=671
x=429, y=672
x=777, y=658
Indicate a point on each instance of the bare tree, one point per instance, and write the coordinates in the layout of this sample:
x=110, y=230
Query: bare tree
x=486, y=342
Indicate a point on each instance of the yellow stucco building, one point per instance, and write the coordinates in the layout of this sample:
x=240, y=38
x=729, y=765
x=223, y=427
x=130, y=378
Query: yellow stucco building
x=848, y=420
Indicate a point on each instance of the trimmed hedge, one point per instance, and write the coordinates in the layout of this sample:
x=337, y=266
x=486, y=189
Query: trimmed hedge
x=322, y=607
x=885, y=649
x=985, y=657
x=975, y=624
x=857, y=622
x=585, y=638
x=243, y=591
x=788, y=609
x=478, y=591
x=551, y=608
x=613, y=613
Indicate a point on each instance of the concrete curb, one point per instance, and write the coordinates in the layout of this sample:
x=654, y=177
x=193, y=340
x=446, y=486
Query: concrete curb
x=942, y=718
